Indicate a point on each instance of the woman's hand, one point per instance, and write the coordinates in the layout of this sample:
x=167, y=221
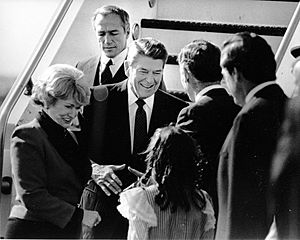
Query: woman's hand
x=91, y=218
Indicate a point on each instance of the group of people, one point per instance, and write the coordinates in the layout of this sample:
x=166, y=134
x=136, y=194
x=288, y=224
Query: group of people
x=146, y=163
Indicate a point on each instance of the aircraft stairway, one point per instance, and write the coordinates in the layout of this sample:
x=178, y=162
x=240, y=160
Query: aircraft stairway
x=69, y=37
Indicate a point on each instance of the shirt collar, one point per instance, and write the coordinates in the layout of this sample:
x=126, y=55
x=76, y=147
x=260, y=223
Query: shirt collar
x=117, y=60
x=205, y=90
x=132, y=97
x=256, y=89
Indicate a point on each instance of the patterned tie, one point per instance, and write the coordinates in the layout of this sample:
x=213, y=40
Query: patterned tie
x=140, y=127
x=106, y=76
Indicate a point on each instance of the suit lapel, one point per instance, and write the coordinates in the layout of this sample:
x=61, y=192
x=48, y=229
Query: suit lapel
x=121, y=113
x=90, y=70
x=157, y=113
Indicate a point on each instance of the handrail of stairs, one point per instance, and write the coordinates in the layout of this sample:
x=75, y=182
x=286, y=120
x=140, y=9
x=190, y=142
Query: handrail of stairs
x=24, y=77
x=286, y=32
x=288, y=36
x=269, y=30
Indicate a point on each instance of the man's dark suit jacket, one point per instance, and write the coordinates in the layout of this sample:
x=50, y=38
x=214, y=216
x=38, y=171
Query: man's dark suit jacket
x=90, y=68
x=285, y=175
x=244, y=166
x=116, y=148
x=209, y=121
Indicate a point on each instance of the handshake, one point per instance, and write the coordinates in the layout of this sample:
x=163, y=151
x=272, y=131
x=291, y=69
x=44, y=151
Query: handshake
x=105, y=177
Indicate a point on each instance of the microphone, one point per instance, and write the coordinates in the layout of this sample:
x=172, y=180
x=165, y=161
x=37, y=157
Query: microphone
x=100, y=93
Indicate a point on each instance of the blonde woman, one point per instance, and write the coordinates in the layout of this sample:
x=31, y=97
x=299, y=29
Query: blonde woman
x=49, y=166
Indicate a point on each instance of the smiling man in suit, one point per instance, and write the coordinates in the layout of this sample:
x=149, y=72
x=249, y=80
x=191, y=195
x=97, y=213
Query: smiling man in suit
x=135, y=108
x=112, y=28
x=249, y=69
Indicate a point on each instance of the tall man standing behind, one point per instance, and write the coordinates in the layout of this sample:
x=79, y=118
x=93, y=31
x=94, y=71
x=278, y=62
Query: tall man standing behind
x=135, y=107
x=285, y=170
x=112, y=28
x=249, y=69
x=210, y=117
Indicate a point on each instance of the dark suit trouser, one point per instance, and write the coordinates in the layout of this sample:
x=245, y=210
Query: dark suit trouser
x=112, y=225
x=24, y=229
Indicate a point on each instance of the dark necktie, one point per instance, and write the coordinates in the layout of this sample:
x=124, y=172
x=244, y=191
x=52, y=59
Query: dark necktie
x=106, y=76
x=140, y=127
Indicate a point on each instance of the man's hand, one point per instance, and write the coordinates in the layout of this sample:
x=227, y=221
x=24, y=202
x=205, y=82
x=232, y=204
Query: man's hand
x=105, y=177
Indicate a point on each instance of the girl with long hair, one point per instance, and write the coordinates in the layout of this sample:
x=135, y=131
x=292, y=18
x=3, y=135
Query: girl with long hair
x=170, y=205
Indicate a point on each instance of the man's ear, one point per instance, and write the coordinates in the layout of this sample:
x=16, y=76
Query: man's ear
x=45, y=104
x=235, y=74
x=187, y=76
x=127, y=31
x=183, y=77
x=238, y=75
x=126, y=67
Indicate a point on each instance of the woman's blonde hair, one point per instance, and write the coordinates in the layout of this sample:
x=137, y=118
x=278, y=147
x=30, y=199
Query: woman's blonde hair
x=60, y=81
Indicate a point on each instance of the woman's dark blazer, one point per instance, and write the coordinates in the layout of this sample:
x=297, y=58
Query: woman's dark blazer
x=47, y=188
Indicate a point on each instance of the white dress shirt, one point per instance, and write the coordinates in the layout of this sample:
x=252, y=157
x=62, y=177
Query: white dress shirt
x=132, y=107
x=117, y=62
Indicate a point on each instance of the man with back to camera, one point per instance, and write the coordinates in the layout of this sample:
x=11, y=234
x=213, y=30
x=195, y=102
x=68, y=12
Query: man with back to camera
x=134, y=104
x=249, y=69
x=210, y=117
